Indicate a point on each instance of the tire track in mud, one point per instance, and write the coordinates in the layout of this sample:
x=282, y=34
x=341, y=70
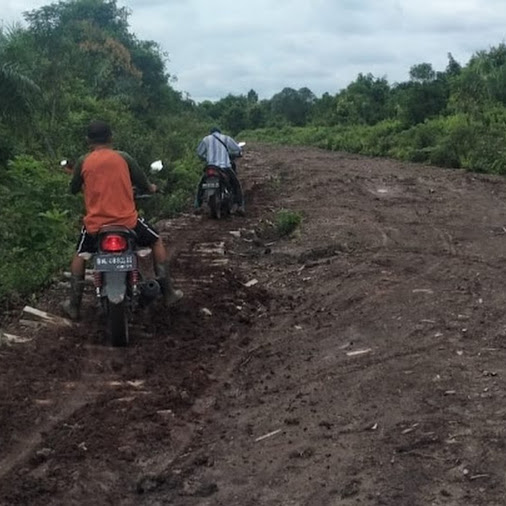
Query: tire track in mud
x=83, y=392
x=91, y=385
x=22, y=451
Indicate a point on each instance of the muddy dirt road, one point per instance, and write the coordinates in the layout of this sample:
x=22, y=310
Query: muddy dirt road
x=366, y=367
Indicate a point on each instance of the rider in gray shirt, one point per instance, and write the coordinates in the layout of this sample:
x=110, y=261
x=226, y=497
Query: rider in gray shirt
x=219, y=150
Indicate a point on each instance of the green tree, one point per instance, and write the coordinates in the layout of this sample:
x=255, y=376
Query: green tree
x=422, y=73
x=252, y=97
x=293, y=106
x=325, y=110
x=364, y=101
x=425, y=96
x=453, y=68
x=257, y=115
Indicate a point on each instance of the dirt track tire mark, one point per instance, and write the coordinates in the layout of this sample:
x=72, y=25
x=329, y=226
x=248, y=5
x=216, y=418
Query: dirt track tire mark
x=85, y=392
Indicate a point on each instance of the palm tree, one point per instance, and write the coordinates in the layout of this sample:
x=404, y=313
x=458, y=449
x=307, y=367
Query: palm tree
x=18, y=94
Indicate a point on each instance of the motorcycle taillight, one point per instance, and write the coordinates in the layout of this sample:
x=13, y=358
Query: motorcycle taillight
x=113, y=243
x=212, y=173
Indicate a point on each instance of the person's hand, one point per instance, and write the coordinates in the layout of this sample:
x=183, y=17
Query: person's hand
x=67, y=166
x=153, y=188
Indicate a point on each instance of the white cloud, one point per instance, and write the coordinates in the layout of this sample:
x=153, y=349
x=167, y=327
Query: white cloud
x=231, y=46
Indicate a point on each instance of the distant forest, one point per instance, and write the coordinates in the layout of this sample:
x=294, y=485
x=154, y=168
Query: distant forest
x=451, y=118
x=78, y=60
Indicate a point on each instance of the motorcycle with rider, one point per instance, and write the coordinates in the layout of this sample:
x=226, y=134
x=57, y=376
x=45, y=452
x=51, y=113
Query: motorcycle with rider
x=219, y=188
x=114, y=236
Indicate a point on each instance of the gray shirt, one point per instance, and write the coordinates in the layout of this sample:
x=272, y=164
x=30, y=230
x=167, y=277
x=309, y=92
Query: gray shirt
x=218, y=153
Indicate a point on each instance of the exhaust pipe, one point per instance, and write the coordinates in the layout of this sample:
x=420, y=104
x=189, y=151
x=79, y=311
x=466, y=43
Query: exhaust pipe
x=151, y=289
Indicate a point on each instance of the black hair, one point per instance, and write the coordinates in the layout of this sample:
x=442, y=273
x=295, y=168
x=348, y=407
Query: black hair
x=99, y=132
x=215, y=129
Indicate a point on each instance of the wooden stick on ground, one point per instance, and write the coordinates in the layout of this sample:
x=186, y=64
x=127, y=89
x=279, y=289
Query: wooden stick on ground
x=47, y=317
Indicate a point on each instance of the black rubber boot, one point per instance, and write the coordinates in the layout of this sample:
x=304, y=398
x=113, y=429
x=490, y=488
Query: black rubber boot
x=72, y=306
x=170, y=294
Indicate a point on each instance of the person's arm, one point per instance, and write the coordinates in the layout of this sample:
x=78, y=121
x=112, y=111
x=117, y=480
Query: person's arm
x=234, y=149
x=202, y=150
x=77, y=178
x=137, y=176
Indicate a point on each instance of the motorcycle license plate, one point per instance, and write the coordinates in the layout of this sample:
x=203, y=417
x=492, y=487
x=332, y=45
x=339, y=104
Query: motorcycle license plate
x=115, y=263
x=213, y=185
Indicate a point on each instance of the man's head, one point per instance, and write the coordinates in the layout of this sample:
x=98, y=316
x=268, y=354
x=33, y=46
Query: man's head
x=99, y=132
x=215, y=130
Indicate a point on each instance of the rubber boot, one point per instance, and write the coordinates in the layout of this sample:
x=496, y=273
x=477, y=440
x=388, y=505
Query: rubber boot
x=170, y=294
x=72, y=306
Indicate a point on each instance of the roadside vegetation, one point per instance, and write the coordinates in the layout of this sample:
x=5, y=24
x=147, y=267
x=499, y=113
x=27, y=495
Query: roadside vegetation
x=77, y=60
x=287, y=222
x=452, y=118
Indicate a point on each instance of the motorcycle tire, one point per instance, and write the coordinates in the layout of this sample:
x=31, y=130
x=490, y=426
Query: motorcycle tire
x=215, y=206
x=117, y=322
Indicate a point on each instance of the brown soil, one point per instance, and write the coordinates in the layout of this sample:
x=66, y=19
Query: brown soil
x=366, y=367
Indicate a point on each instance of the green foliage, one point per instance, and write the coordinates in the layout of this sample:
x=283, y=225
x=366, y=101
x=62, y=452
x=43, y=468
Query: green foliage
x=422, y=72
x=287, y=222
x=36, y=228
x=293, y=106
x=74, y=62
x=419, y=100
x=364, y=101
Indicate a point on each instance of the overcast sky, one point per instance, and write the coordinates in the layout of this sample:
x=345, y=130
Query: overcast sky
x=231, y=46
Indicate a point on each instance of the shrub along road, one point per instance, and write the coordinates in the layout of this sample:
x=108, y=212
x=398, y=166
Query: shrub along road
x=365, y=366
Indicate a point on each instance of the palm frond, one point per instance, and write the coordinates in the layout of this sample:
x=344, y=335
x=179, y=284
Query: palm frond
x=18, y=93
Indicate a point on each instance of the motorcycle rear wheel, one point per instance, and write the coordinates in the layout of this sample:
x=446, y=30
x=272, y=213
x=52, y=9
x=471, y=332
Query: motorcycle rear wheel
x=215, y=206
x=117, y=323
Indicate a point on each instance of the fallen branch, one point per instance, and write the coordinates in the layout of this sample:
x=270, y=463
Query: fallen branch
x=273, y=433
x=88, y=278
x=358, y=352
x=47, y=317
x=13, y=339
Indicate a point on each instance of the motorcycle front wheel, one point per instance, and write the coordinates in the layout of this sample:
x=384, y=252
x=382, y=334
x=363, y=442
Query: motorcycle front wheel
x=117, y=323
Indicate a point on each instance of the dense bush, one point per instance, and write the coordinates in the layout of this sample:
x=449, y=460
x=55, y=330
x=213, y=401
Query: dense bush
x=37, y=225
x=456, y=141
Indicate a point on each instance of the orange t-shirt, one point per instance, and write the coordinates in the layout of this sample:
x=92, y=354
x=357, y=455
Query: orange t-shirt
x=108, y=192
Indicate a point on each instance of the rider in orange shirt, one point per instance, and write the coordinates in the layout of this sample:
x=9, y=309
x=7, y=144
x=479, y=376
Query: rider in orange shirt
x=106, y=178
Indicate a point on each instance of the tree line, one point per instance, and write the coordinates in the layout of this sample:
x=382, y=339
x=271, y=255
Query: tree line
x=367, y=100
x=452, y=118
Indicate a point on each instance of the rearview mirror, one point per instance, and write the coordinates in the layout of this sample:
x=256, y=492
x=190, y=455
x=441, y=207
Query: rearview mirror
x=157, y=166
x=241, y=144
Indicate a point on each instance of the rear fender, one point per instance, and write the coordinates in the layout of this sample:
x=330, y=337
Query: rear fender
x=209, y=192
x=114, y=286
